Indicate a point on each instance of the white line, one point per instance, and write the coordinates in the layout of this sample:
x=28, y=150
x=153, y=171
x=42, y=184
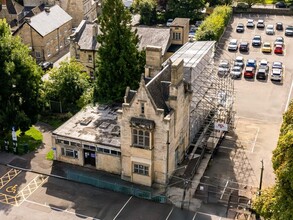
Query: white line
x=170, y=213
x=254, y=142
x=194, y=216
x=62, y=210
x=288, y=99
x=224, y=189
x=122, y=208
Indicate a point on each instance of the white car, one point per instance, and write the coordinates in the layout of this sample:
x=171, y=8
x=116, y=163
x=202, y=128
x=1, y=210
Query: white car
x=239, y=61
x=264, y=64
x=250, y=23
x=279, y=41
x=224, y=68
x=270, y=29
x=277, y=71
x=169, y=22
x=236, y=72
x=233, y=45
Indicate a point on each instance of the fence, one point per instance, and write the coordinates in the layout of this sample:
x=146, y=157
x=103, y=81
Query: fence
x=143, y=194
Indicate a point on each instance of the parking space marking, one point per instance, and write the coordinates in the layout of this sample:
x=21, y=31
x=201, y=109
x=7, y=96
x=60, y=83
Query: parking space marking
x=7, y=177
x=123, y=207
x=194, y=216
x=170, y=213
x=289, y=96
x=255, y=139
x=224, y=189
x=7, y=199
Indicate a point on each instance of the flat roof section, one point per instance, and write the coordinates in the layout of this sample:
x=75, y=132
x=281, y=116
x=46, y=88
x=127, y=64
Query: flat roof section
x=95, y=124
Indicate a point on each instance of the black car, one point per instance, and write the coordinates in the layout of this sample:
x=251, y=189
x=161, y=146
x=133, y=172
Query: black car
x=281, y=5
x=279, y=26
x=240, y=28
x=262, y=73
x=244, y=47
x=46, y=65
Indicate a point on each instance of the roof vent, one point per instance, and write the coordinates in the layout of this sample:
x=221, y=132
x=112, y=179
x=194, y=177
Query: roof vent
x=85, y=121
x=47, y=9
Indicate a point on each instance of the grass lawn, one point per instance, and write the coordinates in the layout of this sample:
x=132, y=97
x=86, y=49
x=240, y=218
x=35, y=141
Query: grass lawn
x=33, y=138
x=55, y=120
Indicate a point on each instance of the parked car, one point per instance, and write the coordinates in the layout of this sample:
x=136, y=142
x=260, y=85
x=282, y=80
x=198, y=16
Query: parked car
x=169, y=22
x=289, y=31
x=249, y=72
x=233, y=45
x=256, y=40
x=239, y=61
x=280, y=5
x=236, y=72
x=46, y=65
x=242, y=5
x=240, y=28
x=270, y=29
x=251, y=63
x=277, y=71
x=244, y=46
x=262, y=73
x=278, y=49
x=260, y=23
x=250, y=23
x=279, y=26
x=266, y=47
x=224, y=68
x=264, y=64
x=279, y=41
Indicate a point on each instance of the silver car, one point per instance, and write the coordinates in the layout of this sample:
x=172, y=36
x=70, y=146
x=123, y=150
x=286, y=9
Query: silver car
x=270, y=29
x=236, y=72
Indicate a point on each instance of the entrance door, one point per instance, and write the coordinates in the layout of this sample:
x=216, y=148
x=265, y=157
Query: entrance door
x=89, y=157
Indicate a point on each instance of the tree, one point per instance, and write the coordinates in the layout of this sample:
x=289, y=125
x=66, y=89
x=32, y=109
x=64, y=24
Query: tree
x=185, y=8
x=253, y=2
x=20, y=80
x=147, y=11
x=119, y=63
x=69, y=85
x=277, y=202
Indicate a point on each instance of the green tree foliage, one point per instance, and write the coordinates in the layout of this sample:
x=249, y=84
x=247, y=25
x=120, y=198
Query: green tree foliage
x=253, y=2
x=119, y=63
x=147, y=11
x=185, y=9
x=20, y=79
x=276, y=203
x=213, y=3
x=213, y=26
x=70, y=85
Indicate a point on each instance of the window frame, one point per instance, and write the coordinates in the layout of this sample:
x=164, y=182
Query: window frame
x=141, y=169
x=68, y=152
x=140, y=139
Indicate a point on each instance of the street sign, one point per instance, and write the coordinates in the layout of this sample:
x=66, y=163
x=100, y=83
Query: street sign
x=221, y=126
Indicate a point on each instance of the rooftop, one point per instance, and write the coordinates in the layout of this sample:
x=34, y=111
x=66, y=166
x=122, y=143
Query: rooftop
x=95, y=124
x=180, y=22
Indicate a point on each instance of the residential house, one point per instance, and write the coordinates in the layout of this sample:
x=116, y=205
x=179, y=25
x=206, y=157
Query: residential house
x=46, y=33
x=84, y=45
x=11, y=11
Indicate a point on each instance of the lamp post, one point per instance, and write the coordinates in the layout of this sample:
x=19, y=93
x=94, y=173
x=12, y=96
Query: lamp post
x=261, y=176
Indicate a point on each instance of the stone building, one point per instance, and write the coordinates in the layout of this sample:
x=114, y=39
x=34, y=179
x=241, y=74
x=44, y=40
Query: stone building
x=84, y=45
x=11, y=11
x=46, y=33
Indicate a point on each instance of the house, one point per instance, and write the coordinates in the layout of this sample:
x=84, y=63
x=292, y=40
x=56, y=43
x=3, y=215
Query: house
x=46, y=33
x=11, y=11
x=143, y=141
x=84, y=45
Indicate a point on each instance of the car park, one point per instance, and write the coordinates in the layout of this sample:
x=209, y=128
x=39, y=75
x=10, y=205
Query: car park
x=250, y=23
x=233, y=45
x=277, y=71
x=239, y=61
x=260, y=23
x=256, y=40
x=244, y=46
x=279, y=26
x=236, y=72
x=240, y=28
x=289, y=31
x=266, y=47
x=262, y=73
x=264, y=64
x=249, y=72
x=251, y=63
x=279, y=41
x=224, y=68
x=270, y=29
x=278, y=49
x=46, y=65
x=280, y=5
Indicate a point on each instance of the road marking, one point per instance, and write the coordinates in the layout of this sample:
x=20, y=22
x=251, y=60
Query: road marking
x=224, y=189
x=62, y=210
x=7, y=177
x=11, y=189
x=194, y=216
x=289, y=96
x=123, y=207
x=170, y=213
x=254, y=142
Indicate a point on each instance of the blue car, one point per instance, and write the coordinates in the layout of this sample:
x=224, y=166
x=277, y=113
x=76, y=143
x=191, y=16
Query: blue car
x=251, y=63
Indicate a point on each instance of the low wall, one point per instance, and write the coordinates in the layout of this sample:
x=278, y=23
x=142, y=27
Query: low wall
x=272, y=11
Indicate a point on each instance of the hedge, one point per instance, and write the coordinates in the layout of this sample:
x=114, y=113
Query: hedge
x=213, y=26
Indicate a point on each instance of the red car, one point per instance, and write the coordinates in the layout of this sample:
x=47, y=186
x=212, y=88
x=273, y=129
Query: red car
x=278, y=49
x=249, y=72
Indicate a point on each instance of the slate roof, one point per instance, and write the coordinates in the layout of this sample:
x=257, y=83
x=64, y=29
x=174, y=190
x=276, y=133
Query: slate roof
x=180, y=22
x=88, y=39
x=13, y=7
x=155, y=37
x=46, y=22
